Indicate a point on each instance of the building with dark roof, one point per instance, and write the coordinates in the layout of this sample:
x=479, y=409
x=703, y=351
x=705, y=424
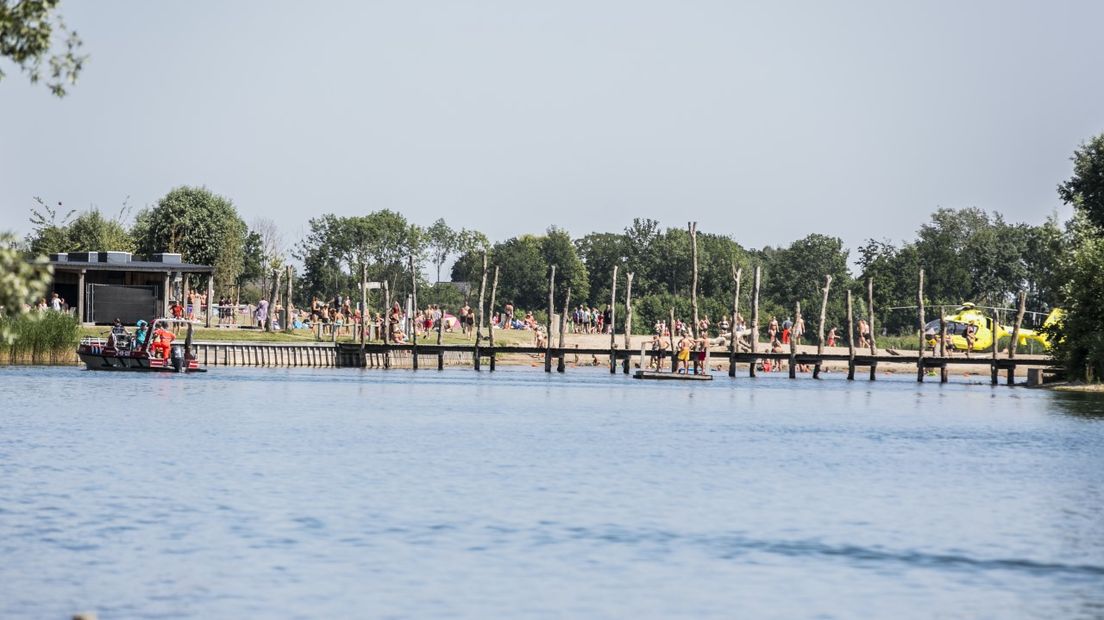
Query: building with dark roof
x=110, y=285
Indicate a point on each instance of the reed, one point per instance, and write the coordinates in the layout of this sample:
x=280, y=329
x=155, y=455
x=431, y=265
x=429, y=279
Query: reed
x=40, y=338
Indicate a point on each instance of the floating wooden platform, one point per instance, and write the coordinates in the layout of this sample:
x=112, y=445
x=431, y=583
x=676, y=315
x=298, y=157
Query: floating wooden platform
x=670, y=376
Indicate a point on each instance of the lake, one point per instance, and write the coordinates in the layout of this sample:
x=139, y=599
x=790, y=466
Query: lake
x=348, y=493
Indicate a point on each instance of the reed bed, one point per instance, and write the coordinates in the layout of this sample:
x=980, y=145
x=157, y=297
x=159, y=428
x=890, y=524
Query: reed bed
x=40, y=338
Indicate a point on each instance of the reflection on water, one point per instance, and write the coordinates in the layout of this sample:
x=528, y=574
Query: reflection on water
x=1080, y=404
x=319, y=493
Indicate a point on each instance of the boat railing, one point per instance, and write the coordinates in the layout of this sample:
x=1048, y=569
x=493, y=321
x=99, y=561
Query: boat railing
x=93, y=341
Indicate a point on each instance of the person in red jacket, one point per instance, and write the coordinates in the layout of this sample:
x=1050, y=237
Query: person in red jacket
x=162, y=342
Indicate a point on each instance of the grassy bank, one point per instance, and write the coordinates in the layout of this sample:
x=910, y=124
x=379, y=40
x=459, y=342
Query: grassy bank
x=41, y=338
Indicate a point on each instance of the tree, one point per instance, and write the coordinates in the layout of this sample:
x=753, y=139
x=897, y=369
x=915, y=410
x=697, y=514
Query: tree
x=92, y=232
x=556, y=248
x=1080, y=342
x=796, y=273
x=201, y=226
x=1085, y=188
x=50, y=234
x=31, y=33
x=442, y=242
x=22, y=282
x=523, y=272
x=601, y=252
x=271, y=246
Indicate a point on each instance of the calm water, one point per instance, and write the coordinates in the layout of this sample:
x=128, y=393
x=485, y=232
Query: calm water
x=330, y=493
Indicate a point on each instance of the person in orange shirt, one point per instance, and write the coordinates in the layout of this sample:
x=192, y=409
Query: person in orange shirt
x=162, y=342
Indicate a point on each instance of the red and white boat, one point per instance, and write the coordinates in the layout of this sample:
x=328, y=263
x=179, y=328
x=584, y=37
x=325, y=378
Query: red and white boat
x=121, y=352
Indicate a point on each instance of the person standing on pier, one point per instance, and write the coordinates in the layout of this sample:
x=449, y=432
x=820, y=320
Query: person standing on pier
x=683, y=354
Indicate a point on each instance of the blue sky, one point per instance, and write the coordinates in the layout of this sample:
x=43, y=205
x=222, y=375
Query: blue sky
x=764, y=121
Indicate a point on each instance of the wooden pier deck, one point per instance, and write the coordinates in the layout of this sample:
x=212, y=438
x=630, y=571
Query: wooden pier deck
x=379, y=355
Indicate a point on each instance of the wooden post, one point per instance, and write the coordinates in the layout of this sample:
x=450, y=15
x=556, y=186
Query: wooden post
x=628, y=321
x=694, y=280
x=754, y=321
x=820, y=328
x=286, y=318
x=993, y=371
x=210, y=297
x=674, y=354
x=736, y=273
x=793, y=341
x=920, y=304
x=80, y=298
x=413, y=313
x=363, y=303
x=551, y=309
x=479, y=329
x=273, y=298
x=386, y=324
x=165, y=294
x=943, y=344
x=490, y=326
x=613, y=323
x=870, y=309
x=184, y=296
x=561, y=364
x=1016, y=337
x=850, y=338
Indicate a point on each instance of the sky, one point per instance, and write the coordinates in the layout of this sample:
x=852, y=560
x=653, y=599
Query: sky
x=765, y=121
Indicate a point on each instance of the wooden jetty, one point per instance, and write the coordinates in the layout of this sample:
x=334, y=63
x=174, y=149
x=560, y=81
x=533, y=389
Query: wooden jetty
x=385, y=356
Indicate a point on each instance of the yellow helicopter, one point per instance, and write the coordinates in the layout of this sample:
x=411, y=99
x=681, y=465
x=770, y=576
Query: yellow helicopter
x=970, y=329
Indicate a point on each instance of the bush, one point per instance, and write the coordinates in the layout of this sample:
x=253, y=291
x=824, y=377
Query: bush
x=41, y=337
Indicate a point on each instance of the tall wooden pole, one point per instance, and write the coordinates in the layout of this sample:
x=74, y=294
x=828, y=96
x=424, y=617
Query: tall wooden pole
x=1016, y=329
x=943, y=343
x=736, y=273
x=1016, y=336
x=287, y=302
x=413, y=313
x=694, y=282
x=850, y=338
x=628, y=321
x=870, y=309
x=479, y=330
x=993, y=372
x=551, y=309
x=674, y=353
x=920, y=304
x=273, y=297
x=820, y=327
x=490, y=327
x=613, y=323
x=793, y=341
x=363, y=303
x=386, y=323
x=560, y=363
x=754, y=320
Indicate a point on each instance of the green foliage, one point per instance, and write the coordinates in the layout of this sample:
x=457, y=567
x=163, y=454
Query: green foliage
x=38, y=337
x=1079, y=338
x=22, y=283
x=201, y=226
x=339, y=251
x=51, y=234
x=91, y=231
x=442, y=242
x=1085, y=188
x=796, y=274
x=28, y=29
x=1080, y=341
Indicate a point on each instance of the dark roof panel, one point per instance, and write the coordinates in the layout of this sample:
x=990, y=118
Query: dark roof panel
x=135, y=265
